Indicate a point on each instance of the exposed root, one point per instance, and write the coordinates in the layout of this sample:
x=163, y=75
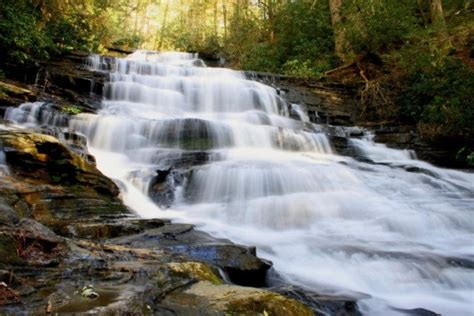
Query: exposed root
x=375, y=98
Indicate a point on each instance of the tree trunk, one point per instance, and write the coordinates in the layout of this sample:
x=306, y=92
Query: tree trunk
x=436, y=13
x=163, y=26
x=438, y=21
x=137, y=14
x=224, y=15
x=335, y=7
x=215, y=19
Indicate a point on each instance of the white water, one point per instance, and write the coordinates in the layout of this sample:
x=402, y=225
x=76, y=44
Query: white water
x=32, y=114
x=329, y=223
x=4, y=170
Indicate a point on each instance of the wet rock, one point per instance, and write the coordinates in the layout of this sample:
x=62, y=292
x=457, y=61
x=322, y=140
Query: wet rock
x=239, y=263
x=88, y=292
x=8, y=251
x=63, y=82
x=192, y=134
x=13, y=94
x=37, y=244
x=111, y=229
x=7, y=295
x=34, y=230
x=417, y=312
x=206, y=298
x=321, y=304
x=30, y=243
x=325, y=102
x=342, y=146
x=49, y=182
x=102, y=230
x=73, y=141
x=441, y=152
x=195, y=270
x=8, y=216
x=185, y=160
x=163, y=186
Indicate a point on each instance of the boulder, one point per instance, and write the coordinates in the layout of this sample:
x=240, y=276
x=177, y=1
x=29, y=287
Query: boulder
x=163, y=186
x=206, y=298
x=49, y=183
x=240, y=263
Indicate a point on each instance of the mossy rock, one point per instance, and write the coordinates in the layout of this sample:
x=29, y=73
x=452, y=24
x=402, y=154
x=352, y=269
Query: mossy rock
x=224, y=299
x=196, y=270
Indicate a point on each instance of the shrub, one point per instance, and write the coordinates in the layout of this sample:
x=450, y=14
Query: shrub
x=377, y=26
x=71, y=109
x=21, y=39
x=440, y=98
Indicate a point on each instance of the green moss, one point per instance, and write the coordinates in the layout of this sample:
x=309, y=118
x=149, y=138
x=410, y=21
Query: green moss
x=196, y=270
x=267, y=304
x=71, y=109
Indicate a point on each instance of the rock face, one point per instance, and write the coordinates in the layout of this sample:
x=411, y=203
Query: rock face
x=325, y=102
x=64, y=82
x=50, y=183
x=12, y=94
x=337, y=104
x=68, y=245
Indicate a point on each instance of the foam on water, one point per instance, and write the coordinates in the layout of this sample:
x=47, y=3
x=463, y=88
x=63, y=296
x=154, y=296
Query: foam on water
x=396, y=233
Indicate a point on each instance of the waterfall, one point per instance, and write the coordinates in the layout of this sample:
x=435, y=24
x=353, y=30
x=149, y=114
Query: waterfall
x=391, y=230
x=36, y=114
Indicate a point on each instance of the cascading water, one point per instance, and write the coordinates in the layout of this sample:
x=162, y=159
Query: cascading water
x=393, y=237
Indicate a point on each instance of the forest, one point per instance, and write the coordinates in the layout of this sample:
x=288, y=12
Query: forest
x=413, y=57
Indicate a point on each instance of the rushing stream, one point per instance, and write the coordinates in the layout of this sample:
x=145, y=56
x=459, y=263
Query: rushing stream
x=396, y=232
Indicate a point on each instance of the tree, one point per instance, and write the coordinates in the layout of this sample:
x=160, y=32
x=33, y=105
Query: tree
x=439, y=23
x=338, y=27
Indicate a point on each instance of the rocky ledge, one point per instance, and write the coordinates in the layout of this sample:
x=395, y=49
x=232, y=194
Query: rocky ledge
x=68, y=245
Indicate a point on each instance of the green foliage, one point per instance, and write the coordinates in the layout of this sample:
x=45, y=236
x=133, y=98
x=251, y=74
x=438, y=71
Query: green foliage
x=72, y=32
x=299, y=68
x=378, y=26
x=71, y=109
x=131, y=41
x=440, y=97
x=20, y=38
x=261, y=57
x=296, y=40
x=466, y=155
x=36, y=30
x=470, y=159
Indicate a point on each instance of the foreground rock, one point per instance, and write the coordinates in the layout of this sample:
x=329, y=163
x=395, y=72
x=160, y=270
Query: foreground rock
x=68, y=245
x=50, y=184
x=205, y=297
